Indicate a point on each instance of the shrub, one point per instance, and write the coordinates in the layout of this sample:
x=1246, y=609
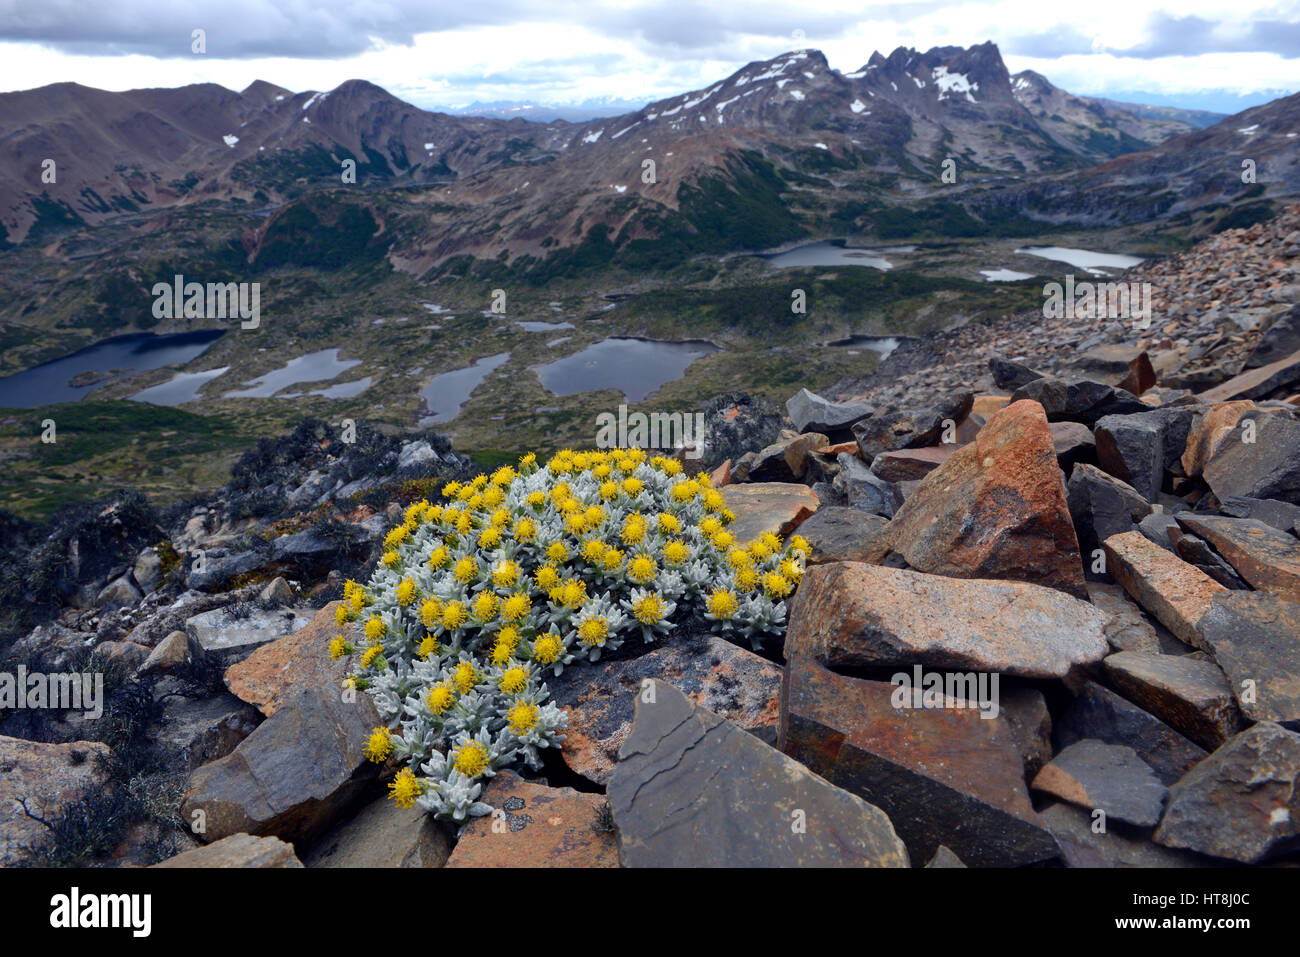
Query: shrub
x=529, y=571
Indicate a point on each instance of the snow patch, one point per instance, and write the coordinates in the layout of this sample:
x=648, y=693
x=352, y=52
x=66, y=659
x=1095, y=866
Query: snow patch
x=953, y=83
x=618, y=189
x=592, y=137
x=821, y=146
x=230, y=140
x=1249, y=129
x=797, y=94
x=857, y=106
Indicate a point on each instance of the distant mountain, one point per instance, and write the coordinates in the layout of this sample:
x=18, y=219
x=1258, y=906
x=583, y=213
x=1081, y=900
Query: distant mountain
x=545, y=113
x=1199, y=119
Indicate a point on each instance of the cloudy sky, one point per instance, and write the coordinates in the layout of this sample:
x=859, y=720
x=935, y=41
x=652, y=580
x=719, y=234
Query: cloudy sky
x=1211, y=54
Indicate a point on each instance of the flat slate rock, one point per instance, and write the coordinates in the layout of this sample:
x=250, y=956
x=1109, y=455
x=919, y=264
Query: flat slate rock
x=1083, y=844
x=728, y=680
x=243, y=626
x=237, y=850
x=1266, y=557
x=293, y=662
x=383, y=835
x=1256, y=641
x=1241, y=803
x=1174, y=591
x=1268, y=467
x=944, y=775
x=850, y=615
x=693, y=790
x=768, y=507
x=1101, y=714
x=1189, y=695
x=1281, y=515
x=1127, y=628
x=1105, y=777
x=534, y=825
x=837, y=533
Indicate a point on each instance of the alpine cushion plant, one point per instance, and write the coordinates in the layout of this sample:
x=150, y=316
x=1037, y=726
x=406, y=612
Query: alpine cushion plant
x=528, y=571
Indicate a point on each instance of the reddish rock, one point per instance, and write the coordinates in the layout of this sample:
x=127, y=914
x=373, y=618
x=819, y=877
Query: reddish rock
x=1177, y=593
x=1208, y=431
x=850, y=615
x=787, y=459
x=293, y=662
x=768, y=507
x=908, y=465
x=1257, y=383
x=721, y=475
x=533, y=825
x=1191, y=696
x=995, y=509
x=987, y=403
x=49, y=778
x=1267, y=558
x=944, y=776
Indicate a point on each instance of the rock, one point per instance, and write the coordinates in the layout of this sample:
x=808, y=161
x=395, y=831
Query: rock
x=908, y=465
x=910, y=428
x=241, y=626
x=995, y=509
x=147, y=571
x=416, y=457
x=863, y=489
x=1025, y=710
x=768, y=507
x=787, y=459
x=1241, y=803
x=174, y=653
x=277, y=592
x=811, y=413
x=1255, y=638
x=1137, y=449
x=537, y=826
x=728, y=680
x=944, y=776
x=1270, y=511
x=127, y=654
x=1268, y=467
x=1101, y=714
x=1078, y=400
x=383, y=835
x=1161, y=529
x=1101, y=506
x=1106, y=777
x=191, y=733
x=944, y=858
x=721, y=475
x=1208, y=432
x=312, y=550
x=987, y=404
x=294, y=776
x=1197, y=553
x=692, y=789
x=1167, y=587
x=839, y=534
x=850, y=615
x=1258, y=383
x=1127, y=629
x=119, y=593
x=1126, y=367
x=1192, y=697
x=1073, y=443
x=1280, y=340
x=1009, y=376
x=216, y=571
x=237, y=850
x=1267, y=558
x=297, y=661
x=1083, y=846
x=50, y=779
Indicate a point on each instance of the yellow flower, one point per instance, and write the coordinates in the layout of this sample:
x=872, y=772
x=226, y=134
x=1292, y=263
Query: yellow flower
x=572, y=593
x=602, y=471
x=504, y=648
x=548, y=648
x=370, y=654
x=676, y=552
x=513, y=680
x=633, y=529
x=641, y=569
x=668, y=522
x=739, y=558
x=404, y=789
x=723, y=604
x=471, y=759
x=406, y=591
x=648, y=610
x=575, y=525
x=594, y=515
x=453, y=615
x=493, y=497
x=710, y=526
x=395, y=537
x=746, y=578
x=536, y=499
x=547, y=577
x=485, y=607
x=799, y=545
x=525, y=530
x=529, y=459
x=593, y=631
x=685, y=491
x=375, y=628
x=776, y=585
x=593, y=550
x=713, y=500
x=633, y=485
x=557, y=551
x=428, y=646
x=759, y=550
x=439, y=557
x=390, y=559
x=522, y=717
x=501, y=517
x=503, y=476
x=515, y=606
x=339, y=647
x=608, y=490
x=670, y=467
x=379, y=746
x=465, y=677
x=791, y=569
x=439, y=697
x=723, y=540
x=464, y=523
x=357, y=601
x=342, y=615
x=490, y=537
x=613, y=558
x=430, y=612
x=465, y=570
x=451, y=489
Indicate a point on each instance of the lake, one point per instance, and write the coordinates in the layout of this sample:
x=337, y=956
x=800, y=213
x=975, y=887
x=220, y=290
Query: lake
x=830, y=254
x=121, y=355
x=448, y=391
x=179, y=389
x=312, y=367
x=1088, y=260
x=636, y=367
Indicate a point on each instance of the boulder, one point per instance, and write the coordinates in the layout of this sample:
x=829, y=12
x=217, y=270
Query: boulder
x=147, y=571
x=944, y=775
x=850, y=615
x=1073, y=443
x=995, y=509
x=1101, y=506
x=839, y=534
x=1124, y=366
x=1191, y=696
x=1267, y=558
x=1138, y=448
x=786, y=460
x=237, y=850
x=908, y=465
x=694, y=790
x=191, y=732
x=1077, y=400
x=1255, y=638
x=295, y=776
x=296, y=661
x=1280, y=340
x=1268, y=467
x=217, y=570
x=1176, y=593
x=1099, y=713
x=1258, y=383
x=1242, y=803
x=536, y=826
x=1082, y=845
x=885, y=431
x=243, y=626
x=728, y=680
x=1105, y=777
x=862, y=489
x=383, y=835
x=177, y=652
x=811, y=413
x=1127, y=628
x=1209, y=429
x=50, y=779
x=1281, y=515
x=121, y=592
x=768, y=507
x=1009, y=375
